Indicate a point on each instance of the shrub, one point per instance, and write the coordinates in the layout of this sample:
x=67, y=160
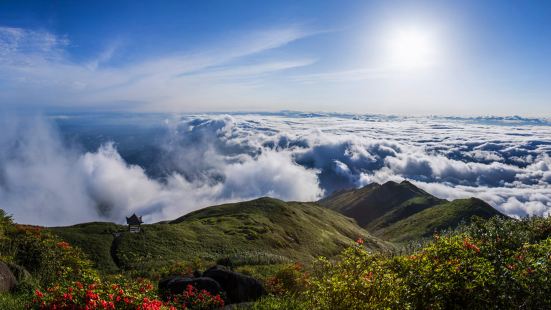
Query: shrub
x=289, y=279
x=495, y=264
x=6, y=229
x=122, y=294
x=357, y=280
x=449, y=273
x=48, y=258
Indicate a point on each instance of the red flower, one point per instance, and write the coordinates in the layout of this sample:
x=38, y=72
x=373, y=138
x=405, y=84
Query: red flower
x=38, y=294
x=63, y=245
x=91, y=295
x=470, y=245
x=368, y=276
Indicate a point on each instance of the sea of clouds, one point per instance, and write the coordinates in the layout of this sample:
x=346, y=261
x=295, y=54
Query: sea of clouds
x=203, y=160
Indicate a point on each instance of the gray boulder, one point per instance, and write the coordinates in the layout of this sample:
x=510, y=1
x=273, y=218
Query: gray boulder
x=239, y=287
x=7, y=280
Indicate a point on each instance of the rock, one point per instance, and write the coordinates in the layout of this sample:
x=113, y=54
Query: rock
x=238, y=287
x=7, y=279
x=177, y=285
x=197, y=274
x=21, y=274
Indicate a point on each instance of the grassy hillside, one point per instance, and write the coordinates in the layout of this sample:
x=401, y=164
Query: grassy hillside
x=373, y=201
x=425, y=222
x=95, y=239
x=262, y=231
x=401, y=212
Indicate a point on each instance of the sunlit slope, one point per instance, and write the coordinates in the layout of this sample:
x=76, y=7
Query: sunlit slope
x=401, y=212
x=261, y=231
x=95, y=239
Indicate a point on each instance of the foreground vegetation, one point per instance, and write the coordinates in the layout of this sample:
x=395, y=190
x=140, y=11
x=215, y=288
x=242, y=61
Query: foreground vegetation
x=498, y=263
x=489, y=264
x=52, y=274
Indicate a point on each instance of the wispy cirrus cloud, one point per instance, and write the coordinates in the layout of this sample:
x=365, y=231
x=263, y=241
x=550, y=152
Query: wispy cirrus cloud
x=36, y=69
x=346, y=76
x=22, y=46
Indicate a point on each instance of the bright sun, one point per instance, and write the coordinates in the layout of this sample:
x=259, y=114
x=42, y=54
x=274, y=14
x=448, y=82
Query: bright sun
x=411, y=48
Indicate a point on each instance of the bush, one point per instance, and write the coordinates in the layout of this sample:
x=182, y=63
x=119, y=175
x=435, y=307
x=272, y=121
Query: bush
x=48, y=258
x=449, y=273
x=357, y=280
x=6, y=229
x=120, y=293
x=494, y=264
x=289, y=279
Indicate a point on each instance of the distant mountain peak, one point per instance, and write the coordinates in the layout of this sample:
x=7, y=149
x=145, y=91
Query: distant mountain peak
x=402, y=211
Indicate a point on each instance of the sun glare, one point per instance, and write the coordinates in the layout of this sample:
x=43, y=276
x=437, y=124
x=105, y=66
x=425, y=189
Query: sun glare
x=411, y=48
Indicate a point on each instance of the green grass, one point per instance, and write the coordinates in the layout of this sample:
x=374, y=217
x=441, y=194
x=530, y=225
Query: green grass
x=13, y=301
x=436, y=218
x=406, y=209
x=373, y=201
x=268, y=231
x=260, y=232
x=95, y=239
x=277, y=303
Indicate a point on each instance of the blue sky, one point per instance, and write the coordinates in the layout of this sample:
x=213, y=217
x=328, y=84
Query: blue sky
x=392, y=57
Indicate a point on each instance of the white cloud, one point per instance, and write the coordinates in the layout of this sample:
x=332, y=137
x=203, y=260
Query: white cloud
x=436, y=153
x=44, y=182
x=21, y=46
x=36, y=70
x=211, y=159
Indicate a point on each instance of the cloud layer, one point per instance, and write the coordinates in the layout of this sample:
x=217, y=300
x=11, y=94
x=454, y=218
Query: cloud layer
x=209, y=159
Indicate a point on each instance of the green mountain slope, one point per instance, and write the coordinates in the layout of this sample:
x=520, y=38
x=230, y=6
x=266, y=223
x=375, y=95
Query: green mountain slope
x=95, y=239
x=401, y=212
x=439, y=217
x=261, y=231
x=374, y=201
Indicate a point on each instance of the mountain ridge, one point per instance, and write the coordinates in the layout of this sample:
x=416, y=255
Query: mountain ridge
x=263, y=230
x=268, y=230
x=384, y=208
